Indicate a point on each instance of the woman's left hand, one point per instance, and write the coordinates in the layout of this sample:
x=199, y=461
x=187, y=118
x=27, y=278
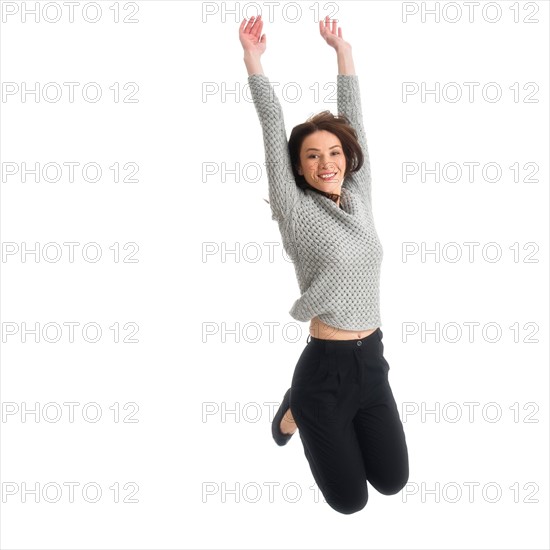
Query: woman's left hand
x=332, y=34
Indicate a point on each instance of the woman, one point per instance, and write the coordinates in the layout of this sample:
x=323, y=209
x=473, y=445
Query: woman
x=340, y=399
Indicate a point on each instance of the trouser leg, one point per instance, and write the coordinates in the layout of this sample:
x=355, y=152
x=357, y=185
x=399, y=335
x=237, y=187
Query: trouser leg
x=323, y=403
x=378, y=426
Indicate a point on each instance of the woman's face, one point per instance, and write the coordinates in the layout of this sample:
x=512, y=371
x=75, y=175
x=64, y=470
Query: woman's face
x=321, y=154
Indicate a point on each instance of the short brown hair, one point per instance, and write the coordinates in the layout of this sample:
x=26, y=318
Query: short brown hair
x=340, y=126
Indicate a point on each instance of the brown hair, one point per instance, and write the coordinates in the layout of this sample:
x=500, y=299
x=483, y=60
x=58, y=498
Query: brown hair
x=340, y=126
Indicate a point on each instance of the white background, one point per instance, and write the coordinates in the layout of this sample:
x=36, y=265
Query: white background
x=175, y=451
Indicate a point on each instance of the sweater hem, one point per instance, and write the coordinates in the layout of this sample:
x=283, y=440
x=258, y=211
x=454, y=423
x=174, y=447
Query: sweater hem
x=304, y=317
x=372, y=325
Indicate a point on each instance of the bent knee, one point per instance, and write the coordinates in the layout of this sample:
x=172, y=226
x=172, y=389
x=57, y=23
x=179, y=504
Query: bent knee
x=349, y=505
x=393, y=487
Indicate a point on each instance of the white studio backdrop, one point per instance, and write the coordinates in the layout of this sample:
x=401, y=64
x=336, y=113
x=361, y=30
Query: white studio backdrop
x=142, y=364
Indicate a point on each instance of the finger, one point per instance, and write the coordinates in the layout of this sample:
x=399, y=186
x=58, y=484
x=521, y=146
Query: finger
x=258, y=29
x=340, y=32
x=334, y=26
x=248, y=26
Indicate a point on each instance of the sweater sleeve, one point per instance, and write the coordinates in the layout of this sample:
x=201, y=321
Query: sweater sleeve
x=283, y=191
x=349, y=104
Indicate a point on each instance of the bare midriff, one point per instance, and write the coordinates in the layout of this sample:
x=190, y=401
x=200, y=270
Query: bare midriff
x=321, y=330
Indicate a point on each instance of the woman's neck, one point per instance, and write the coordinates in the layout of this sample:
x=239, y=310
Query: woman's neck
x=332, y=196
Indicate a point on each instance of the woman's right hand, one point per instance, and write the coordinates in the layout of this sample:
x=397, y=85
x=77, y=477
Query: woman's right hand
x=251, y=37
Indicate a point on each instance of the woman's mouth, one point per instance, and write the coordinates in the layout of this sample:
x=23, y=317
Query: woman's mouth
x=327, y=176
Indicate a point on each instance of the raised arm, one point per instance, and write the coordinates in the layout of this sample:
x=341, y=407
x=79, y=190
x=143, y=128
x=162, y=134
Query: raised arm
x=283, y=191
x=349, y=104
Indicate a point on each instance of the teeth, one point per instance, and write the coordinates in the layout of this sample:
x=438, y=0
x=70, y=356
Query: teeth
x=328, y=176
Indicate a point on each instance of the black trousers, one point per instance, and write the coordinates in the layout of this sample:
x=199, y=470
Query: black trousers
x=348, y=420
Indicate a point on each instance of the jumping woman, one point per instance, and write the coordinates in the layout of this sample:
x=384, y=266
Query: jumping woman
x=340, y=399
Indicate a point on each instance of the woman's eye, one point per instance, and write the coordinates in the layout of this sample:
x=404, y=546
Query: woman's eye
x=333, y=152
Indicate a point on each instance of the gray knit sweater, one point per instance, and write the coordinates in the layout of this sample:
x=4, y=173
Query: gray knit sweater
x=335, y=250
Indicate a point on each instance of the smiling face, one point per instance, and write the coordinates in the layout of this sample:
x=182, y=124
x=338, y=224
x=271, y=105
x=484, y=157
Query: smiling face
x=321, y=155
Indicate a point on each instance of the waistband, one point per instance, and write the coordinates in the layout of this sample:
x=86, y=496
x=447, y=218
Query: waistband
x=354, y=343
